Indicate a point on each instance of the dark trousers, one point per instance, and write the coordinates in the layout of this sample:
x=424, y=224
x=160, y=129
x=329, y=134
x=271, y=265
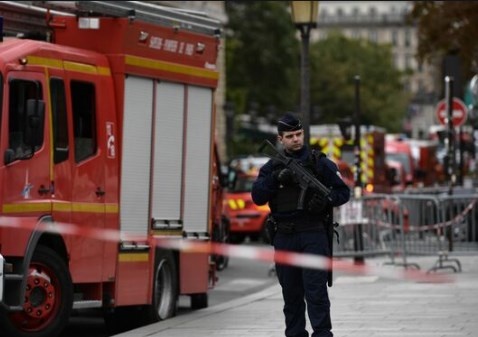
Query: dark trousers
x=301, y=286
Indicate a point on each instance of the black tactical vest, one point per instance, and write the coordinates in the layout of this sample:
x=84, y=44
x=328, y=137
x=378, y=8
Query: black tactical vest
x=287, y=197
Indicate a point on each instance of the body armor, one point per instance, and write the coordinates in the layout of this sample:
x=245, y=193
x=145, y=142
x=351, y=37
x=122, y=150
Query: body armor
x=287, y=197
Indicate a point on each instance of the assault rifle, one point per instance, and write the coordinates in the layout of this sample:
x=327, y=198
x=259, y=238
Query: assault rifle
x=306, y=180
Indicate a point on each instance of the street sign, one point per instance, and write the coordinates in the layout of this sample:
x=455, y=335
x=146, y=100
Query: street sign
x=459, y=112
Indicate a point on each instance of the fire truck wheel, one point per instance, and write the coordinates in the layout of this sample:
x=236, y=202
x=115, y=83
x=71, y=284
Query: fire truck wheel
x=165, y=291
x=48, y=299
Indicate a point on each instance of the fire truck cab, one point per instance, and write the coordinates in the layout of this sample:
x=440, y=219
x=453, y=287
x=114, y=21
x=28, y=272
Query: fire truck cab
x=107, y=136
x=246, y=218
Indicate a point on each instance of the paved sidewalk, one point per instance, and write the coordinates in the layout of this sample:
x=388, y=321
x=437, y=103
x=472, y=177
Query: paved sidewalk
x=367, y=305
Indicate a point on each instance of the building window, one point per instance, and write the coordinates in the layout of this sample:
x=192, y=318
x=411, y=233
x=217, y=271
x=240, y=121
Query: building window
x=421, y=86
x=355, y=14
x=394, y=38
x=395, y=60
x=372, y=11
x=373, y=35
x=420, y=67
x=407, y=38
x=408, y=61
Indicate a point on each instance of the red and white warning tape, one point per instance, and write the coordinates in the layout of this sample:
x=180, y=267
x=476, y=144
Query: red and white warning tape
x=304, y=260
x=259, y=253
x=458, y=218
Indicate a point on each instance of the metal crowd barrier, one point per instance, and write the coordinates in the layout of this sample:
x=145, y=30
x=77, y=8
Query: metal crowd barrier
x=362, y=225
x=402, y=226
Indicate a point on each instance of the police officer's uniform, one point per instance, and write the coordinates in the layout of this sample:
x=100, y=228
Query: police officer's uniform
x=301, y=231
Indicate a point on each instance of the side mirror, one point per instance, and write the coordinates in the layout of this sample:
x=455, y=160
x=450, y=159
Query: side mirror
x=231, y=178
x=223, y=180
x=8, y=156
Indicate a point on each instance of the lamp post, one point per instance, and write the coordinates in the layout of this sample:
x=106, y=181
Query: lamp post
x=304, y=16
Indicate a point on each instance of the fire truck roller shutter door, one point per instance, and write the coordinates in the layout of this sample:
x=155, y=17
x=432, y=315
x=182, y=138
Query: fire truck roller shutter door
x=136, y=158
x=197, y=161
x=168, y=152
x=197, y=191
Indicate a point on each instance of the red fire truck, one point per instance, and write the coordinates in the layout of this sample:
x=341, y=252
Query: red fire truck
x=329, y=139
x=107, y=123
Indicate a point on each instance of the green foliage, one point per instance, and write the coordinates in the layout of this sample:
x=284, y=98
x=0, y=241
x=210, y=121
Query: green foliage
x=263, y=72
x=262, y=56
x=335, y=62
x=448, y=27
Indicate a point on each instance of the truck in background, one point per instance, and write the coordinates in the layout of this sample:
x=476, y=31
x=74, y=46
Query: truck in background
x=329, y=139
x=246, y=218
x=419, y=159
x=397, y=176
x=429, y=171
x=399, y=150
x=99, y=128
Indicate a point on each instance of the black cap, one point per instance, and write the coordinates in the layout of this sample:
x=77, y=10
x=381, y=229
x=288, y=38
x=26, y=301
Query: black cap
x=289, y=123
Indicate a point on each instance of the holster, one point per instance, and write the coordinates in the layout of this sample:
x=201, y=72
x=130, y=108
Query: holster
x=271, y=229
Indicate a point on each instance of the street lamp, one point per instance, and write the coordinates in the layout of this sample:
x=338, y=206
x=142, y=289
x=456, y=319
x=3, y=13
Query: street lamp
x=304, y=16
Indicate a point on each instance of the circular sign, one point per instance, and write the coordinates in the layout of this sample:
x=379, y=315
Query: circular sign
x=459, y=112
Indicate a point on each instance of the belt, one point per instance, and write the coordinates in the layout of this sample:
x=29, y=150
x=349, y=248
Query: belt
x=288, y=227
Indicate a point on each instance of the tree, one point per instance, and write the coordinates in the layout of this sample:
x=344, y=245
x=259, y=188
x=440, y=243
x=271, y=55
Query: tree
x=447, y=27
x=335, y=61
x=262, y=55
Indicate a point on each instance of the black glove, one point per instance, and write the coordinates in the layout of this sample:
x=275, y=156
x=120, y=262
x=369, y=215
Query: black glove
x=284, y=176
x=317, y=203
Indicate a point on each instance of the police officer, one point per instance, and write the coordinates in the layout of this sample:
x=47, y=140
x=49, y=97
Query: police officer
x=301, y=231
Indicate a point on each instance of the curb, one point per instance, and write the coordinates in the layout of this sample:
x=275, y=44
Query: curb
x=151, y=329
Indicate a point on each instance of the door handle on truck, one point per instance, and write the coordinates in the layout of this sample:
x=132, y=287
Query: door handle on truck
x=99, y=192
x=43, y=190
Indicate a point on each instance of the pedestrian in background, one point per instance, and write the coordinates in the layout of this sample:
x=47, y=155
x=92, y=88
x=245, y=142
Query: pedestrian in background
x=301, y=230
